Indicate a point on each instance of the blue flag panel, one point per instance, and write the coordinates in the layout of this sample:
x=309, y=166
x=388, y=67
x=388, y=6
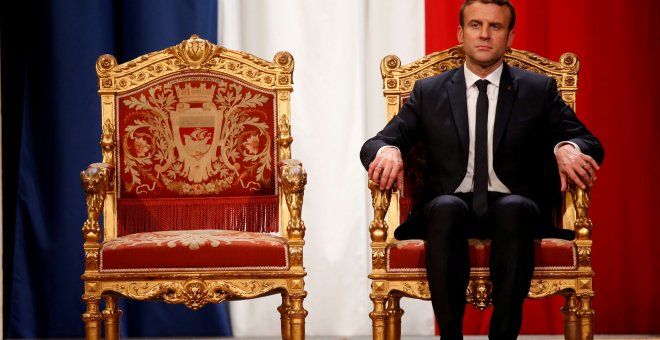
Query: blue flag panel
x=51, y=128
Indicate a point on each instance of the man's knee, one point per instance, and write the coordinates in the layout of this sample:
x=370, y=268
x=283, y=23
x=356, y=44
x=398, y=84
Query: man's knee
x=513, y=212
x=446, y=204
x=445, y=212
x=515, y=204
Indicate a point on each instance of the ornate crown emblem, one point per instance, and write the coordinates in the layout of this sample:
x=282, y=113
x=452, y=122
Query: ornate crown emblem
x=201, y=94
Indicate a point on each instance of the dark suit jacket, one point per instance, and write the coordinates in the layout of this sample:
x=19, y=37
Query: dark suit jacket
x=530, y=119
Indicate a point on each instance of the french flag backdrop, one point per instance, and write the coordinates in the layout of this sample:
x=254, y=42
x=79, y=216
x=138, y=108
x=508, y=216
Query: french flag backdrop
x=51, y=128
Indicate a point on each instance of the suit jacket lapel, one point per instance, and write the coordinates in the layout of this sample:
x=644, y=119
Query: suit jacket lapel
x=458, y=101
x=505, y=99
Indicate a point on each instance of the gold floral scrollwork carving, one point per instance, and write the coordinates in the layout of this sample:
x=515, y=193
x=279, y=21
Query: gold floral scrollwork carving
x=419, y=290
x=293, y=180
x=381, y=203
x=194, y=293
x=581, y=200
x=296, y=256
x=569, y=60
x=95, y=183
x=539, y=287
x=105, y=63
x=392, y=61
x=391, y=83
x=389, y=63
x=569, y=81
x=122, y=83
x=108, y=141
x=479, y=292
x=407, y=84
x=283, y=95
x=285, y=139
x=92, y=259
x=378, y=258
x=584, y=256
x=194, y=51
x=284, y=59
x=427, y=73
x=535, y=58
x=543, y=288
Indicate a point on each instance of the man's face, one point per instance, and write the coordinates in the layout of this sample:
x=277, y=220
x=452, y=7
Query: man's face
x=486, y=36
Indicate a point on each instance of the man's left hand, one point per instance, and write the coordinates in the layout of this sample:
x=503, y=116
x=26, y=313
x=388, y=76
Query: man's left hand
x=576, y=167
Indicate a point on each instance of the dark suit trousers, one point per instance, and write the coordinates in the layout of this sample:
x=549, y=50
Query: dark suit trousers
x=509, y=223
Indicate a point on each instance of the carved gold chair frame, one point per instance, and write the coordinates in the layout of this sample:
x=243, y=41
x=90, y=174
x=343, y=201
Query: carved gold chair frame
x=194, y=289
x=388, y=287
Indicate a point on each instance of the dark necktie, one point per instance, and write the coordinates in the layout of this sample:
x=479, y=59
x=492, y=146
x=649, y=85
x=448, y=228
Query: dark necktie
x=480, y=190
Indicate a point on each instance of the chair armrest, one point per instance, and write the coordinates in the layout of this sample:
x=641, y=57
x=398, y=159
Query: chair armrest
x=292, y=181
x=380, y=201
x=96, y=181
x=580, y=202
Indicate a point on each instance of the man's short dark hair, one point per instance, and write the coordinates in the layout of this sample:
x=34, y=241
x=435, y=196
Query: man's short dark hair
x=506, y=3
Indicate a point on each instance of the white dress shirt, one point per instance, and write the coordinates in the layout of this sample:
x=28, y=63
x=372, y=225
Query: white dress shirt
x=494, y=184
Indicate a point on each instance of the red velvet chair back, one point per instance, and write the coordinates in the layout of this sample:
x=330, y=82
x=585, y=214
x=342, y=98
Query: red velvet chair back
x=194, y=148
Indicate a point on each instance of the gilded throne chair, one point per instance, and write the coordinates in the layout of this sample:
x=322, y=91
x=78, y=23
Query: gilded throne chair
x=199, y=197
x=398, y=267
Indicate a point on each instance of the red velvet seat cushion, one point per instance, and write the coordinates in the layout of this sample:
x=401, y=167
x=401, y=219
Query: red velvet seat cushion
x=188, y=250
x=551, y=254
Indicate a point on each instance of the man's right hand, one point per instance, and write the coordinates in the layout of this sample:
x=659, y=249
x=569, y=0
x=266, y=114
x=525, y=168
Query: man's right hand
x=387, y=168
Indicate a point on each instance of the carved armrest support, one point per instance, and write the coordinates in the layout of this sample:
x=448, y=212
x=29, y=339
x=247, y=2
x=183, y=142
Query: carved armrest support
x=380, y=200
x=292, y=181
x=96, y=181
x=581, y=199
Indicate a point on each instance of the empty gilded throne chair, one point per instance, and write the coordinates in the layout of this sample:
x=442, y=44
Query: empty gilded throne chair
x=398, y=267
x=200, y=199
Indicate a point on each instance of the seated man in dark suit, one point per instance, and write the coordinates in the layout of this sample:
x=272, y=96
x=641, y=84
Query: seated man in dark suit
x=488, y=129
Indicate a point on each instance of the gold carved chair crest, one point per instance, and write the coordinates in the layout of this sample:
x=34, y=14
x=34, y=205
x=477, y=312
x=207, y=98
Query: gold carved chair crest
x=398, y=267
x=199, y=196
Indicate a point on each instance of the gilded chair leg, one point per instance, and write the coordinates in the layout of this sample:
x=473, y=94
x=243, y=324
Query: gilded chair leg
x=92, y=318
x=111, y=315
x=284, y=309
x=394, y=313
x=297, y=316
x=586, y=317
x=569, y=310
x=378, y=316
